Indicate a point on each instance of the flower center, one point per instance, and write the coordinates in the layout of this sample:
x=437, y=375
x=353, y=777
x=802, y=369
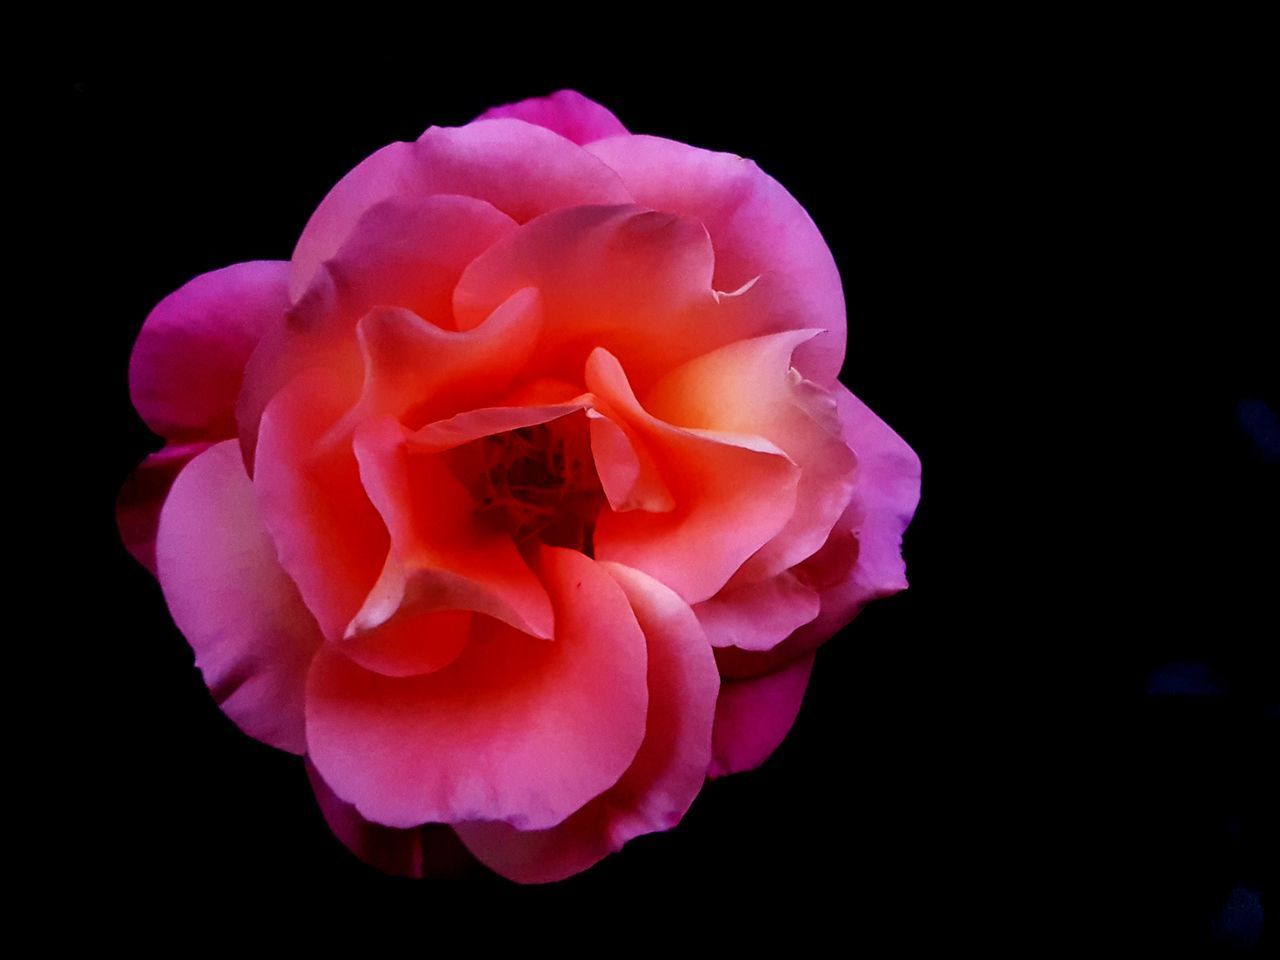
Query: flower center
x=538, y=483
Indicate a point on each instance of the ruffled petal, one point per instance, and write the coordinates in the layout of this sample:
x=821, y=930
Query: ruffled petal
x=751, y=387
x=328, y=534
x=636, y=282
x=143, y=494
x=667, y=773
x=189, y=358
x=732, y=493
x=442, y=556
x=756, y=616
x=567, y=112
x=758, y=229
x=754, y=716
x=516, y=729
x=522, y=169
x=252, y=636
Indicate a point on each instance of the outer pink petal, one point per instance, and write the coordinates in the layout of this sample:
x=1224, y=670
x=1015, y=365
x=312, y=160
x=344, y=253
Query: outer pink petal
x=756, y=616
x=190, y=355
x=428, y=851
x=731, y=494
x=143, y=494
x=754, y=716
x=252, y=636
x=516, y=729
x=567, y=112
x=521, y=169
x=636, y=282
x=667, y=773
x=328, y=534
x=758, y=230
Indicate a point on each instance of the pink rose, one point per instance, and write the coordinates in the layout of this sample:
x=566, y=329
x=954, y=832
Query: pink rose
x=519, y=499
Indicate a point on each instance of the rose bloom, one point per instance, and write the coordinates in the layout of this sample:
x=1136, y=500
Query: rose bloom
x=519, y=499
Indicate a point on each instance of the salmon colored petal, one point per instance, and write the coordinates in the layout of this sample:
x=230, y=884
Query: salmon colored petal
x=732, y=494
x=143, y=494
x=432, y=850
x=252, y=636
x=636, y=282
x=758, y=230
x=667, y=773
x=189, y=358
x=474, y=424
x=751, y=387
x=754, y=716
x=403, y=252
x=328, y=534
x=410, y=643
x=516, y=729
x=418, y=372
x=567, y=112
x=443, y=556
x=757, y=616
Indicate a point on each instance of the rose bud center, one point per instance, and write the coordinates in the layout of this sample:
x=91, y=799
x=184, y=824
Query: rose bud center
x=537, y=483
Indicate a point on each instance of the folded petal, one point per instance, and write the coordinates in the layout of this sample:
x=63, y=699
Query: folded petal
x=757, y=616
x=522, y=169
x=443, y=556
x=731, y=493
x=754, y=716
x=328, y=534
x=189, y=358
x=751, y=387
x=143, y=494
x=516, y=729
x=636, y=282
x=252, y=636
x=567, y=112
x=431, y=850
x=668, y=770
x=757, y=228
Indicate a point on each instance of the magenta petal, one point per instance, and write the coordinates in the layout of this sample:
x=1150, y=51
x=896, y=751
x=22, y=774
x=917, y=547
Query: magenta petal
x=757, y=228
x=143, y=494
x=754, y=716
x=667, y=773
x=757, y=616
x=189, y=358
x=252, y=636
x=516, y=729
x=567, y=112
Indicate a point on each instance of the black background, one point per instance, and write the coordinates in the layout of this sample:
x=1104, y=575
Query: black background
x=1051, y=260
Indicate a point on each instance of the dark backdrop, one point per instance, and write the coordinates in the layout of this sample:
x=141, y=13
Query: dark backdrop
x=1051, y=271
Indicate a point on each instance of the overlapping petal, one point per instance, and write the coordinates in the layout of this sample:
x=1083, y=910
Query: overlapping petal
x=567, y=112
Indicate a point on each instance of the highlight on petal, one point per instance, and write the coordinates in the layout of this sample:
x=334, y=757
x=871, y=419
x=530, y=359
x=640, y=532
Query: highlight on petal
x=189, y=358
x=516, y=729
x=143, y=494
x=668, y=770
x=754, y=716
x=758, y=230
x=253, y=637
x=566, y=112
x=732, y=493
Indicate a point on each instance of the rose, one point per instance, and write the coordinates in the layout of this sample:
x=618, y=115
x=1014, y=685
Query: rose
x=519, y=499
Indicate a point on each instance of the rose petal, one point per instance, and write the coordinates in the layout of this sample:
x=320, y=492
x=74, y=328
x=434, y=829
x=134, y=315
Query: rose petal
x=754, y=716
x=431, y=850
x=567, y=112
x=252, y=636
x=188, y=360
x=143, y=494
x=668, y=770
x=442, y=556
x=636, y=282
x=756, y=616
x=516, y=729
x=749, y=387
x=328, y=534
x=521, y=169
x=732, y=493
x=758, y=230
